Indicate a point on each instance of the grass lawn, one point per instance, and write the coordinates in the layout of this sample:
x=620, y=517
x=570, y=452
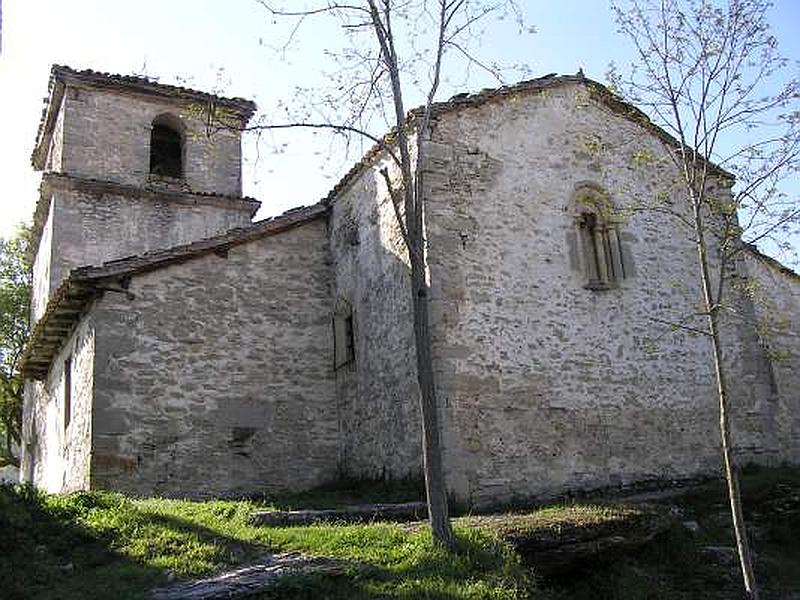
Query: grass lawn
x=95, y=545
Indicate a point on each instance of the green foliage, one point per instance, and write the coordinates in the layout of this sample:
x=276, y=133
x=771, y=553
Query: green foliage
x=15, y=294
x=105, y=545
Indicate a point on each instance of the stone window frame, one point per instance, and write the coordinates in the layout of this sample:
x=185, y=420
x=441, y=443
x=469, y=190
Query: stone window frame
x=597, y=226
x=344, y=335
x=174, y=124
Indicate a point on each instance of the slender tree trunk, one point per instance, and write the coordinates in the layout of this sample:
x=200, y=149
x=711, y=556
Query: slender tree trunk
x=731, y=471
x=412, y=202
x=429, y=408
x=431, y=446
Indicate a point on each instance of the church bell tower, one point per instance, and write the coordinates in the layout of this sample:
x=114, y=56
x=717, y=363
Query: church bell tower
x=131, y=166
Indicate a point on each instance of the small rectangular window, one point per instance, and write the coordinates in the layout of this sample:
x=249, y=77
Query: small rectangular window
x=344, y=348
x=67, y=391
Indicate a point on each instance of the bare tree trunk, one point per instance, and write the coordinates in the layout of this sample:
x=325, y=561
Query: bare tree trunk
x=731, y=471
x=413, y=205
x=431, y=446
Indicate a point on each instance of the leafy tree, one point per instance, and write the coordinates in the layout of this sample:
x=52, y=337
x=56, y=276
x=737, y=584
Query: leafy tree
x=392, y=48
x=15, y=294
x=709, y=73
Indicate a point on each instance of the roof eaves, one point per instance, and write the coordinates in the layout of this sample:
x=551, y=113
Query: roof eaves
x=245, y=108
x=160, y=258
x=52, y=105
x=55, y=325
x=51, y=181
x=61, y=75
x=772, y=262
x=466, y=100
x=83, y=284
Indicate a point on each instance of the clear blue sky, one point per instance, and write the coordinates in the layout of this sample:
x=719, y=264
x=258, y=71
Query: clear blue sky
x=226, y=47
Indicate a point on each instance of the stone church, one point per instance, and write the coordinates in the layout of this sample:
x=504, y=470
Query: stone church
x=180, y=349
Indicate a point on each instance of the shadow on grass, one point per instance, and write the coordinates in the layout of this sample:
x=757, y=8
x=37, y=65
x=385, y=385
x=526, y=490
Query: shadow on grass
x=45, y=554
x=483, y=568
x=98, y=545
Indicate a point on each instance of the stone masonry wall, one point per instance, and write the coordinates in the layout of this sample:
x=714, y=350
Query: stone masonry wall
x=92, y=227
x=107, y=136
x=546, y=385
x=54, y=152
x=56, y=457
x=217, y=379
x=378, y=392
x=776, y=300
x=41, y=286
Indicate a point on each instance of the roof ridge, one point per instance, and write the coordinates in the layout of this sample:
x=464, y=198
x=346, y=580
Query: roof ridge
x=231, y=237
x=119, y=79
x=771, y=261
x=471, y=99
x=60, y=75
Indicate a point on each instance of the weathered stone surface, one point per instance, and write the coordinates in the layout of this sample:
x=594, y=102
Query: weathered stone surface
x=94, y=227
x=56, y=456
x=547, y=385
x=215, y=374
x=249, y=580
x=378, y=394
x=217, y=378
x=351, y=514
x=776, y=302
x=106, y=135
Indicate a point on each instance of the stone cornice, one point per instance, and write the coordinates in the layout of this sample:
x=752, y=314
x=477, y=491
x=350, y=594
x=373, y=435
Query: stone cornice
x=63, y=182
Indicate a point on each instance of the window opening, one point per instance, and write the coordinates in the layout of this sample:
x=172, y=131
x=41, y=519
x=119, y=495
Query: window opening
x=166, y=151
x=600, y=244
x=344, y=347
x=67, y=391
x=350, y=346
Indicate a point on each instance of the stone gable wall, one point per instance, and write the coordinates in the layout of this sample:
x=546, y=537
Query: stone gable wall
x=55, y=457
x=776, y=301
x=377, y=393
x=546, y=385
x=106, y=135
x=217, y=379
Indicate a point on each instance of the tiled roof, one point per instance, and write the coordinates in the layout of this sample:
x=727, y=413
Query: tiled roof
x=68, y=302
x=775, y=264
x=80, y=285
x=466, y=100
x=60, y=75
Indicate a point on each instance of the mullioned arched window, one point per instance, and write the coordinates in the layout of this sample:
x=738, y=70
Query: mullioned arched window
x=600, y=246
